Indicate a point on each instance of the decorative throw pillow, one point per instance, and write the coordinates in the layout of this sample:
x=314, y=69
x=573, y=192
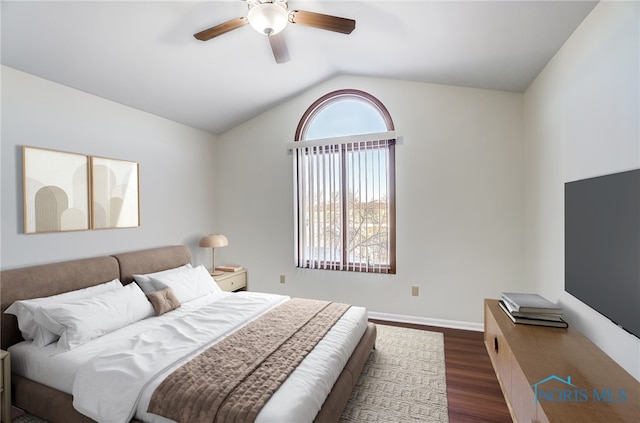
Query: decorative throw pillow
x=163, y=301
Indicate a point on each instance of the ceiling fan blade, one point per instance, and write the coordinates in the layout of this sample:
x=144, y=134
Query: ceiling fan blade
x=279, y=47
x=318, y=20
x=223, y=28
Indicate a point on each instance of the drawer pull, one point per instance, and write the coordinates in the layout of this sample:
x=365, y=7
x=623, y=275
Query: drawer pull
x=495, y=344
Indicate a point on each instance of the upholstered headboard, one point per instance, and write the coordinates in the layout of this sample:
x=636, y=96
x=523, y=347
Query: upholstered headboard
x=55, y=278
x=152, y=260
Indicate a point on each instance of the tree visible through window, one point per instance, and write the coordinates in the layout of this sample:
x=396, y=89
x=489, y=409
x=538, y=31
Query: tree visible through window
x=345, y=184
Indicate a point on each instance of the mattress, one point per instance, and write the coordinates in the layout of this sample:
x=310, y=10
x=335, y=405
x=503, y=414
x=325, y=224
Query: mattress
x=299, y=398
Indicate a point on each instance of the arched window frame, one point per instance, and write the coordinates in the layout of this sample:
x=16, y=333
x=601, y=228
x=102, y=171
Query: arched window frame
x=389, y=145
x=336, y=96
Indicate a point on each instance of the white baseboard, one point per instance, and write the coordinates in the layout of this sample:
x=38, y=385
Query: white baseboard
x=453, y=324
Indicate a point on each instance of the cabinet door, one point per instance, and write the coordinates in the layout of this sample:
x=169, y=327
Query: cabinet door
x=527, y=410
x=499, y=351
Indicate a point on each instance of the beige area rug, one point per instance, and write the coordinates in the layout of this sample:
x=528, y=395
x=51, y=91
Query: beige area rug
x=403, y=381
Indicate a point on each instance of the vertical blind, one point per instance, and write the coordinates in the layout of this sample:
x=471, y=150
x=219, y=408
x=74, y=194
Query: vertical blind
x=345, y=203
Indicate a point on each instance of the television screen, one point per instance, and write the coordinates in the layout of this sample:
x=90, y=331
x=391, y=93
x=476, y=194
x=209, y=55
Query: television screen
x=602, y=246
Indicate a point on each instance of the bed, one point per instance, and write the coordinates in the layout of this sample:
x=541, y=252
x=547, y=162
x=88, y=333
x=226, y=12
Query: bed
x=51, y=394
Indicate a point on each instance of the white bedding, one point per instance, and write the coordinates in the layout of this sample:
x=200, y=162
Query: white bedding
x=113, y=377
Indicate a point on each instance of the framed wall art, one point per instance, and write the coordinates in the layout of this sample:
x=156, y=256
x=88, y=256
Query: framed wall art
x=115, y=193
x=56, y=191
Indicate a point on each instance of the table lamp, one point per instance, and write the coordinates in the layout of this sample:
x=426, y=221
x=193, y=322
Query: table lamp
x=214, y=241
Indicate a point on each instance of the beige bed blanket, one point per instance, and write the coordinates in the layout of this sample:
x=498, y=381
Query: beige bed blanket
x=233, y=379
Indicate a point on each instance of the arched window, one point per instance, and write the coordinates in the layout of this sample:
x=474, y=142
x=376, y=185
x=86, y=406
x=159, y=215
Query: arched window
x=344, y=158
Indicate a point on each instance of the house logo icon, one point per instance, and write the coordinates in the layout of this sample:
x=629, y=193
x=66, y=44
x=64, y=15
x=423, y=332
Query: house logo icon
x=548, y=379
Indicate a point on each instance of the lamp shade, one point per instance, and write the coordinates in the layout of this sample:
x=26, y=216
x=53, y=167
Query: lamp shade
x=268, y=18
x=214, y=241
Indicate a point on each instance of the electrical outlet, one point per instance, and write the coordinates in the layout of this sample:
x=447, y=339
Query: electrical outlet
x=282, y=278
x=415, y=290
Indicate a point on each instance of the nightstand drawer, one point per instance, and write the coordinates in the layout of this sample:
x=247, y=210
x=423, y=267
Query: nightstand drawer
x=232, y=281
x=5, y=386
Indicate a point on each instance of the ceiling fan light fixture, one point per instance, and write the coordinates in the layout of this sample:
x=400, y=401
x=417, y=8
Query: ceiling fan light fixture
x=268, y=18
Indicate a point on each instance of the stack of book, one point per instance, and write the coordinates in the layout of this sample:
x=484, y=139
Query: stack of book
x=532, y=309
x=229, y=268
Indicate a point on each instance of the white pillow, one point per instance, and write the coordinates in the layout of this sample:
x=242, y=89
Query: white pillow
x=80, y=321
x=24, y=309
x=44, y=337
x=187, y=285
x=144, y=281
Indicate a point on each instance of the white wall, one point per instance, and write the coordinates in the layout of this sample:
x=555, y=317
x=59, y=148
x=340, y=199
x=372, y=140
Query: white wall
x=460, y=201
x=582, y=119
x=177, y=174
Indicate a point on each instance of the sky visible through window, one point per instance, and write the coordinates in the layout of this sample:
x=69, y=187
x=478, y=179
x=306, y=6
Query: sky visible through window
x=345, y=117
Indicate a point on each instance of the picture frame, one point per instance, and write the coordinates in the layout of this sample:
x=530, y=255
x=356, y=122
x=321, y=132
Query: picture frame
x=55, y=190
x=115, y=187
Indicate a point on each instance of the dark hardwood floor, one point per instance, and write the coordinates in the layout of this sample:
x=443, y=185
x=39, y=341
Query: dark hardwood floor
x=473, y=392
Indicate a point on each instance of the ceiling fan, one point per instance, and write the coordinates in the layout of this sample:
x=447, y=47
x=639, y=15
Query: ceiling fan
x=270, y=17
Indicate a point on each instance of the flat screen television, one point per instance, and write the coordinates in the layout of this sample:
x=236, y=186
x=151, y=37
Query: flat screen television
x=602, y=246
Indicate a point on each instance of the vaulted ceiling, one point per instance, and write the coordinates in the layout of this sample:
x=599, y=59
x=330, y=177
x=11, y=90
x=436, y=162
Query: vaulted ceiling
x=143, y=54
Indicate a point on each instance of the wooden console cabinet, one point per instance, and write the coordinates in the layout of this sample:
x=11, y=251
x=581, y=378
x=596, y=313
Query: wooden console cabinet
x=575, y=380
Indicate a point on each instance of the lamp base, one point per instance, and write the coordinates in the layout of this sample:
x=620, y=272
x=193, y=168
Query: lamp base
x=217, y=273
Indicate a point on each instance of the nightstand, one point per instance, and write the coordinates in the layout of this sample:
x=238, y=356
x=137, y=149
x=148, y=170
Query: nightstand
x=5, y=386
x=232, y=281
